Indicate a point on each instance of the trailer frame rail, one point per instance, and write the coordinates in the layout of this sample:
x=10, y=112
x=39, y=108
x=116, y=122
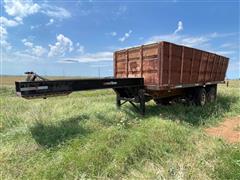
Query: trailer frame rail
x=127, y=89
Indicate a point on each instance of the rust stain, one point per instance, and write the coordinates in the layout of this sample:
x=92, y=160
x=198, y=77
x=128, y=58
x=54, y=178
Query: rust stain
x=179, y=65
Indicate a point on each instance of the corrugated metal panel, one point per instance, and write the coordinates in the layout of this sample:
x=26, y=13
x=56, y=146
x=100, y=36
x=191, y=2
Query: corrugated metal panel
x=165, y=65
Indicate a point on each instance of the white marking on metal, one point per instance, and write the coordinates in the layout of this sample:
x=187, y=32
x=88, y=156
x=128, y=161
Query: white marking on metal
x=178, y=86
x=34, y=88
x=110, y=83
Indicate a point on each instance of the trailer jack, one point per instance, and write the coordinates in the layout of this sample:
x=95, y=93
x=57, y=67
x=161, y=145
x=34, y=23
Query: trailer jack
x=139, y=99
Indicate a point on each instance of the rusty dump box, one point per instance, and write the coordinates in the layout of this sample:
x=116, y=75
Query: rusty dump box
x=166, y=65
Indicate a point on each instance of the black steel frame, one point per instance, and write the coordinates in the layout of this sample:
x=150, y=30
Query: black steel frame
x=132, y=95
x=127, y=89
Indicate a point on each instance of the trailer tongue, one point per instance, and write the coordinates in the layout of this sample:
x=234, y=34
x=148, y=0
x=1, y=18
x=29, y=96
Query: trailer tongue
x=127, y=89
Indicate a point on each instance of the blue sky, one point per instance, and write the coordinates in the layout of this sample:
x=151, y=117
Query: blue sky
x=77, y=38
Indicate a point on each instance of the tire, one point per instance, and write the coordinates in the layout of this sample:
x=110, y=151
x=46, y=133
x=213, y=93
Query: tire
x=162, y=101
x=212, y=94
x=200, y=97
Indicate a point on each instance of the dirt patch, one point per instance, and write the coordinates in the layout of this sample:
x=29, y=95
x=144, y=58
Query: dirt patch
x=228, y=130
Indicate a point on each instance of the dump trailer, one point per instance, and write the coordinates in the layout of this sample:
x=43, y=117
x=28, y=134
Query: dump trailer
x=170, y=70
x=161, y=71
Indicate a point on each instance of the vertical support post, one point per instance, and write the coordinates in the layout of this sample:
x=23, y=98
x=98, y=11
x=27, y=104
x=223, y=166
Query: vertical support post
x=118, y=101
x=221, y=72
x=161, y=74
x=206, y=69
x=217, y=67
x=159, y=64
x=115, y=64
x=141, y=93
x=200, y=66
x=193, y=56
x=211, y=74
x=127, y=64
x=169, y=65
x=181, y=75
x=141, y=61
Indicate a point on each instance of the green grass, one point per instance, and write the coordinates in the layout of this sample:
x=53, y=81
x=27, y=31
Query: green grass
x=83, y=135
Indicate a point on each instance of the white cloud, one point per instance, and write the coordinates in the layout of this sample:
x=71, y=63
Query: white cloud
x=187, y=40
x=226, y=45
x=3, y=41
x=230, y=45
x=126, y=36
x=38, y=51
x=113, y=33
x=221, y=35
x=201, y=41
x=4, y=23
x=194, y=41
x=35, y=26
x=234, y=67
x=28, y=44
x=121, y=10
x=3, y=32
x=179, y=28
x=7, y=22
x=19, y=56
x=80, y=48
x=90, y=57
x=166, y=37
x=63, y=45
x=5, y=45
x=50, y=22
x=18, y=19
x=20, y=8
x=55, y=12
x=23, y=8
x=224, y=53
x=34, y=49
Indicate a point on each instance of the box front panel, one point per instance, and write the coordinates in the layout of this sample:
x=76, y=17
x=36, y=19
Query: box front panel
x=141, y=61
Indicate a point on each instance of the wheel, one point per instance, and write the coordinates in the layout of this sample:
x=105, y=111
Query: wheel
x=190, y=98
x=212, y=94
x=162, y=101
x=200, y=97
